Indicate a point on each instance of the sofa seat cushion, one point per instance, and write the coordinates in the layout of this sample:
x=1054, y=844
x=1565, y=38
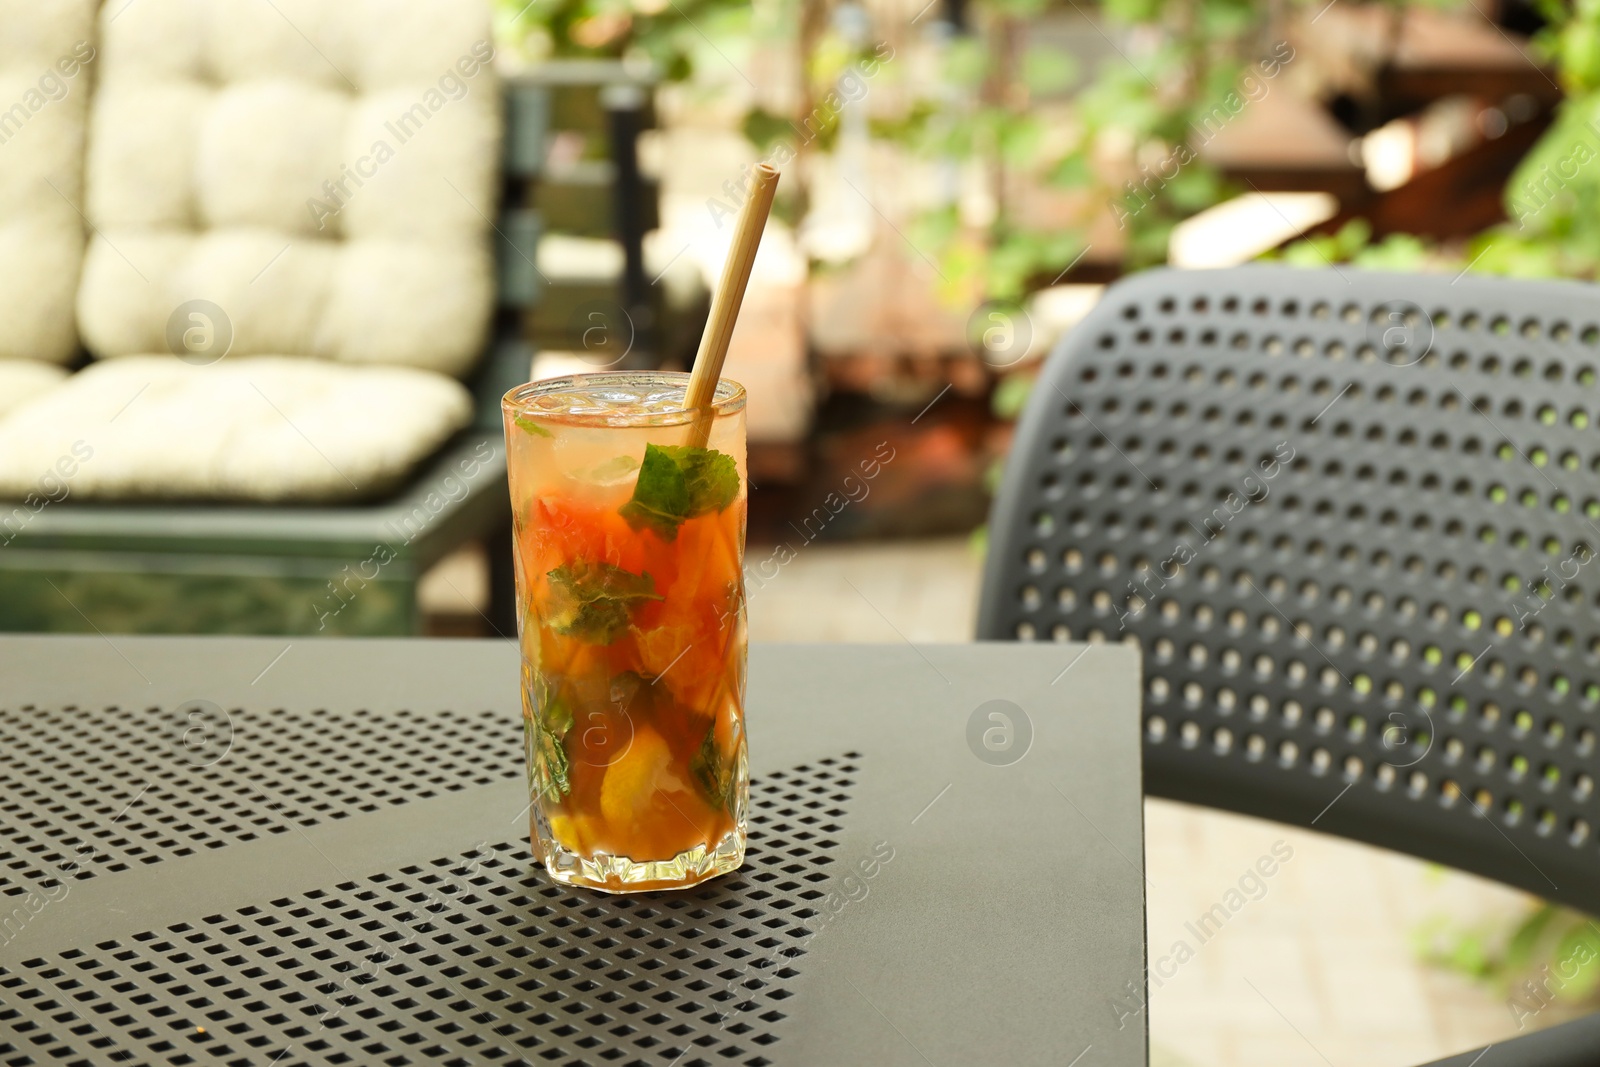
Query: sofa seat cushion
x=266, y=428
x=321, y=175
x=23, y=379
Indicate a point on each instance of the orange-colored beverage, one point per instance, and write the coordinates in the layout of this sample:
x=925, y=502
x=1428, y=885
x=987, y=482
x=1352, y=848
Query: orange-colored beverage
x=630, y=588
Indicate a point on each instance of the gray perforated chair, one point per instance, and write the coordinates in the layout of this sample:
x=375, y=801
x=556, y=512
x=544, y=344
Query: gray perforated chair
x=1350, y=519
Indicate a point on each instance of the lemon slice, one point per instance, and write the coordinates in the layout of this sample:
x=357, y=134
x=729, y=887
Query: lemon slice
x=633, y=779
x=564, y=832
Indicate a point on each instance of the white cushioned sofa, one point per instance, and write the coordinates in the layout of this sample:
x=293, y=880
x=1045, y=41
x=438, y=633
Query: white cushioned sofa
x=270, y=232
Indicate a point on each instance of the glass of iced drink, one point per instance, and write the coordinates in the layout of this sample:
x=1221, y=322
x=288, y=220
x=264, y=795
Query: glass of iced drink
x=630, y=609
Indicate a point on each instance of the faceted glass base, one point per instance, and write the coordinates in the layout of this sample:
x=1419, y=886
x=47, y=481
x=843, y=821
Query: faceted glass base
x=619, y=874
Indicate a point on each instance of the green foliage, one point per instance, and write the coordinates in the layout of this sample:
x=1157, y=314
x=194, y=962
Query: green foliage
x=1397, y=252
x=997, y=101
x=1353, y=244
x=1550, y=197
x=1128, y=136
x=1022, y=254
x=1047, y=69
x=1121, y=99
x=1579, y=52
x=1554, y=230
x=1517, y=256
x=1325, y=249
x=978, y=542
x=668, y=33
x=1549, y=954
x=966, y=63
x=1132, y=10
x=1195, y=189
x=764, y=129
x=1010, y=396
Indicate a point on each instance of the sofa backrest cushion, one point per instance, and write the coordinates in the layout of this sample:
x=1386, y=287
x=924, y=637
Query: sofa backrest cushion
x=146, y=428
x=47, y=60
x=297, y=177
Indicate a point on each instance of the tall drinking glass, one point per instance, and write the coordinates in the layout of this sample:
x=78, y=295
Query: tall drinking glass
x=630, y=609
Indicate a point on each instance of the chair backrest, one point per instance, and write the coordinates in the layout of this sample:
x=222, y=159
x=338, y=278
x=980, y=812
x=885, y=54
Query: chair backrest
x=321, y=177
x=1352, y=520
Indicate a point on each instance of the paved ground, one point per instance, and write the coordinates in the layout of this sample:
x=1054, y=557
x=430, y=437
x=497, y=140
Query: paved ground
x=1319, y=971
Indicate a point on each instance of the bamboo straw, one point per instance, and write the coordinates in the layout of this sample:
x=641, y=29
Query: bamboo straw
x=725, y=305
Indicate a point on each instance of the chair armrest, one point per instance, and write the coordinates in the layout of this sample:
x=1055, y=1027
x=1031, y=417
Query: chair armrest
x=1574, y=1044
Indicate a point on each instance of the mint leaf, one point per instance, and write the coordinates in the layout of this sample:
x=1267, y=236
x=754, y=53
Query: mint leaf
x=594, y=602
x=712, y=477
x=549, y=772
x=660, y=495
x=532, y=427
x=715, y=779
x=555, y=716
x=677, y=483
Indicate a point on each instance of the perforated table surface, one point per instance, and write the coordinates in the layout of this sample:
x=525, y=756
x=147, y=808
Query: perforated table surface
x=275, y=852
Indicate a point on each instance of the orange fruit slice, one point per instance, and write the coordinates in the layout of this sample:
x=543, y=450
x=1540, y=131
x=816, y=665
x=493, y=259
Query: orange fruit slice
x=631, y=782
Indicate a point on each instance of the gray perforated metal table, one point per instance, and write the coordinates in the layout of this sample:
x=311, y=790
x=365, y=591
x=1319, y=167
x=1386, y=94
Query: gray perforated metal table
x=260, y=851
